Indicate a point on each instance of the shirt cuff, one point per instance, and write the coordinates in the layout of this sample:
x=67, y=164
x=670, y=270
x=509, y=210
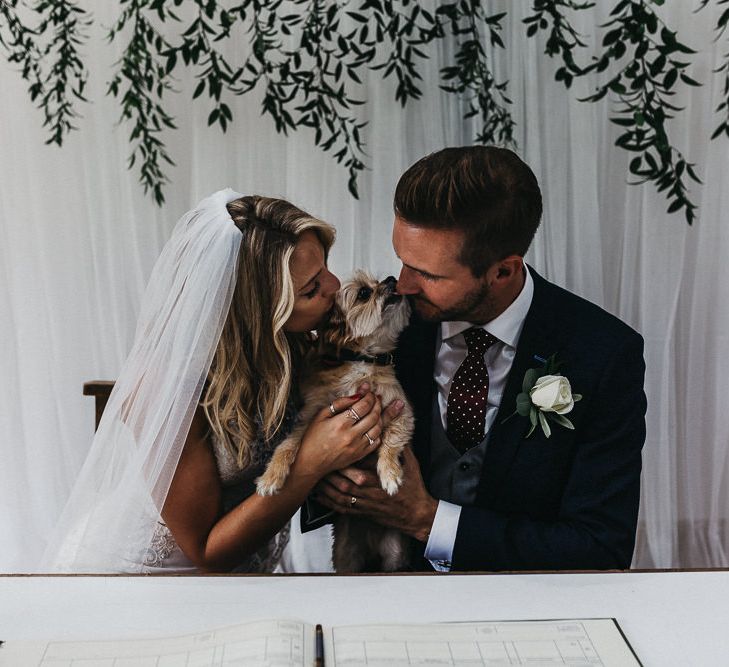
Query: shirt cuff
x=439, y=549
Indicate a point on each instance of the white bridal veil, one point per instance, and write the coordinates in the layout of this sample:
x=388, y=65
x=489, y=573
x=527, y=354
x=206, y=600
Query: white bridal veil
x=114, y=509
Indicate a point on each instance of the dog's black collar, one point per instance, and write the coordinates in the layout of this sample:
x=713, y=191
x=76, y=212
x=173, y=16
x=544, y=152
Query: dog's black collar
x=384, y=359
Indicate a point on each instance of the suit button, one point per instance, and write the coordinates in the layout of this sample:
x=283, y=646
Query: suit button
x=465, y=466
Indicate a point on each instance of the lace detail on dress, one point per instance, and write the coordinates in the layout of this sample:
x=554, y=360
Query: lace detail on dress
x=260, y=451
x=267, y=558
x=238, y=484
x=160, y=548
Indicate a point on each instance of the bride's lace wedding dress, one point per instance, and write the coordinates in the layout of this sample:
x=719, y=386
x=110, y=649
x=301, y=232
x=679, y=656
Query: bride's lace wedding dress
x=238, y=484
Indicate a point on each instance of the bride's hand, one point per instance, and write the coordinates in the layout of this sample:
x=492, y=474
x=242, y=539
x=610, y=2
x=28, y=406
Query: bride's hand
x=364, y=472
x=336, y=440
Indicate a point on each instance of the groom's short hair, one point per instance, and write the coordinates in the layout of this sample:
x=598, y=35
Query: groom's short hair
x=487, y=192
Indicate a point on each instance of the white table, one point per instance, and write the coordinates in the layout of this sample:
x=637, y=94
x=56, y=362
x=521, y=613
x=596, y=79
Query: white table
x=670, y=618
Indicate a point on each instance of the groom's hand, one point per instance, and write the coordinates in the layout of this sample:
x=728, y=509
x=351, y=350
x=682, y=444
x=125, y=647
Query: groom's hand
x=411, y=510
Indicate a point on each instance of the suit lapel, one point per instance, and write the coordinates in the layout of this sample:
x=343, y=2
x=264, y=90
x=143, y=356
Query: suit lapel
x=414, y=364
x=507, y=432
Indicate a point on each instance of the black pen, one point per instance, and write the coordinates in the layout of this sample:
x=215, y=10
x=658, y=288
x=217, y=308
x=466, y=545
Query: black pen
x=319, y=658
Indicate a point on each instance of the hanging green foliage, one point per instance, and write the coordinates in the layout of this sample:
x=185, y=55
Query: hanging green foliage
x=308, y=58
x=48, y=57
x=647, y=56
x=723, y=107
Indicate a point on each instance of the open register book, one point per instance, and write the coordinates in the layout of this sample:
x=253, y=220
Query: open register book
x=588, y=642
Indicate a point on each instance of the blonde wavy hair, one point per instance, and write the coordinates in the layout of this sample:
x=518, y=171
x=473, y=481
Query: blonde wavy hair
x=252, y=370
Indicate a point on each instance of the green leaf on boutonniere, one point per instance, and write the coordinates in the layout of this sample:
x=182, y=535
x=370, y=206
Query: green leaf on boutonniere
x=530, y=378
x=533, y=419
x=562, y=421
x=544, y=424
x=523, y=404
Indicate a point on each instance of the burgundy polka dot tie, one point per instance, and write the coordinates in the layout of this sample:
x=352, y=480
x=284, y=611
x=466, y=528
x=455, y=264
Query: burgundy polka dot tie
x=467, y=404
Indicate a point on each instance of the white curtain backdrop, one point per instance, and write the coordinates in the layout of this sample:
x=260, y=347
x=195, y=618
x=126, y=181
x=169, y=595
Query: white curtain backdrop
x=78, y=240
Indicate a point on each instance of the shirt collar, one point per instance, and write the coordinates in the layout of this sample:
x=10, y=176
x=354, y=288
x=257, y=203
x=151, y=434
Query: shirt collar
x=507, y=326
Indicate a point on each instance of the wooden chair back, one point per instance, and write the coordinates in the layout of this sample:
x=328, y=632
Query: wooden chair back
x=100, y=390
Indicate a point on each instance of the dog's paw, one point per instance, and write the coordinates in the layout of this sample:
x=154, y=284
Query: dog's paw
x=391, y=480
x=389, y=471
x=268, y=484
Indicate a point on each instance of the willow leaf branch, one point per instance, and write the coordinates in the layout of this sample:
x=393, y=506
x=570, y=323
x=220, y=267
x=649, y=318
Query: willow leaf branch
x=20, y=42
x=67, y=76
x=198, y=48
x=563, y=38
x=723, y=106
x=141, y=80
x=49, y=58
x=646, y=54
x=304, y=80
x=471, y=75
x=326, y=106
x=402, y=28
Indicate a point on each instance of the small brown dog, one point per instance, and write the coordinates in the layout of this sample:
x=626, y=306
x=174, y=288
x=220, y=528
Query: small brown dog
x=355, y=347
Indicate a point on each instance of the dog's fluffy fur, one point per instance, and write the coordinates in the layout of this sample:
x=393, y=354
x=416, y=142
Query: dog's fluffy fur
x=367, y=318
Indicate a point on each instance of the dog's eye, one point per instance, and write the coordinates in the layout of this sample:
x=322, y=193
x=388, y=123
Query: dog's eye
x=364, y=293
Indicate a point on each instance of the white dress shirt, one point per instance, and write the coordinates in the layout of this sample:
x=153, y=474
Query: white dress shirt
x=451, y=351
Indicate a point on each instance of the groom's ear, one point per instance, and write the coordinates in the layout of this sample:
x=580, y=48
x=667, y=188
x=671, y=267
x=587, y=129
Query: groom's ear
x=505, y=271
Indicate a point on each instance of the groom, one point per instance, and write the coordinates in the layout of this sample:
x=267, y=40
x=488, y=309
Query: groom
x=553, y=486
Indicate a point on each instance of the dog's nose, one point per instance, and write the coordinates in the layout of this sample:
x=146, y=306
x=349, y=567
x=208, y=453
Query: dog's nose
x=390, y=282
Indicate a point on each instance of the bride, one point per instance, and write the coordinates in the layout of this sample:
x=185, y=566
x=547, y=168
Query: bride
x=208, y=390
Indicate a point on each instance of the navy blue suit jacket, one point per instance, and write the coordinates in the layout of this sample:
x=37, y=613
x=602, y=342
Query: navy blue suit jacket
x=569, y=501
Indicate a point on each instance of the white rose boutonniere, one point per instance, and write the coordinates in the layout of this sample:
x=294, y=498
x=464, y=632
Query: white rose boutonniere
x=552, y=393
x=546, y=396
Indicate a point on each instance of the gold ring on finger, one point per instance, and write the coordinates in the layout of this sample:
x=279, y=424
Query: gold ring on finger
x=352, y=500
x=352, y=414
x=332, y=410
x=369, y=439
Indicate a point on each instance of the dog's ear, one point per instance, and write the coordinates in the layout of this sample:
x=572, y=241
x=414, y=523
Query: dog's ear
x=335, y=332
